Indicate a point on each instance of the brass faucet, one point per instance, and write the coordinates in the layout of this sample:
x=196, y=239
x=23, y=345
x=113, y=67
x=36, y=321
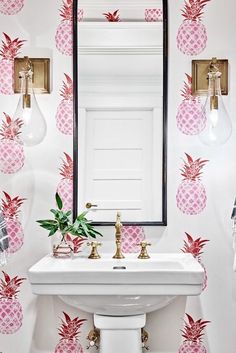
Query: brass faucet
x=118, y=226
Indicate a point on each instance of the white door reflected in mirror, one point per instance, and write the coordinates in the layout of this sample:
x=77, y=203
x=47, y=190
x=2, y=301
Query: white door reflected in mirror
x=121, y=169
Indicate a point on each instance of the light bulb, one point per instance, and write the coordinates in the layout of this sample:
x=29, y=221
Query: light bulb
x=218, y=125
x=34, y=128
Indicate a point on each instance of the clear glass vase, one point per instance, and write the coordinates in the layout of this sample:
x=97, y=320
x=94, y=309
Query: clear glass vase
x=60, y=247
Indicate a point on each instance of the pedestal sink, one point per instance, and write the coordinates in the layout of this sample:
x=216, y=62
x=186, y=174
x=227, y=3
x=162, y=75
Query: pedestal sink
x=118, y=292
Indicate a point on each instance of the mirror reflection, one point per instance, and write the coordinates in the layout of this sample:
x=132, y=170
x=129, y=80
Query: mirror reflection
x=121, y=147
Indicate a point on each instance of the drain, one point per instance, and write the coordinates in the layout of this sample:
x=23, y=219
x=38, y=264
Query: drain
x=119, y=267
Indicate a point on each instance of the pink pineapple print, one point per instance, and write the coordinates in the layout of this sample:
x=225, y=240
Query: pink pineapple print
x=153, y=15
x=191, y=116
x=192, y=334
x=11, y=210
x=64, y=40
x=75, y=243
x=11, y=7
x=131, y=236
x=191, y=195
x=112, y=17
x=65, y=186
x=9, y=50
x=11, y=314
x=192, y=36
x=69, y=332
x=195, y=247
x=12, y=155
x=64, y=115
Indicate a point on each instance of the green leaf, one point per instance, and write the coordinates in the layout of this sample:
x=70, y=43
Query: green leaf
x=82, y=216
x=92, y=235
x=63, y=218
x=59, y=201
x=48, y=226
x=46, y=221
x=55, y=212
x=77, y=232
x=97, y=232
x=85, y=229
x=53, y=231
x=76, y=223
x=93, y=230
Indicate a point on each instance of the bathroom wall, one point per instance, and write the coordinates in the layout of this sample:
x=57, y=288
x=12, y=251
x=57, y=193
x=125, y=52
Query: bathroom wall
x=37, y=181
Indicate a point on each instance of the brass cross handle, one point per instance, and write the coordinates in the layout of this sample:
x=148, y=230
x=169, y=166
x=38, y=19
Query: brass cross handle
x=93, y=338
x=90, y=205
x=94, y=251
x=143, y=253
x=144, y=339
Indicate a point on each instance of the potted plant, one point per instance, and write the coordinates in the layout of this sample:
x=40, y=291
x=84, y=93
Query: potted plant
x=80, y=229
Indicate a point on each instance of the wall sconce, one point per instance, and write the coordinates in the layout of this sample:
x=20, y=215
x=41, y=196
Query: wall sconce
x=26, y=73
x=210, y=77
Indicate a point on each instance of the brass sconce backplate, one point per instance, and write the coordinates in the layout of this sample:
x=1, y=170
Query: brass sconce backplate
x=200, y=69
x=41, y=76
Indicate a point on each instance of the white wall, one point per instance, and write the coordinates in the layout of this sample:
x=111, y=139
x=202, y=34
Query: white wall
x=38, y=179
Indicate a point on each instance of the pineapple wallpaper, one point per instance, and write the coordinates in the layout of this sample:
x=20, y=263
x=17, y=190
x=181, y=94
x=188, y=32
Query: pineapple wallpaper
x=191, y=194
x=131, y=236
x=11, y=209
x=112, y=17
x=11, y=7
x=29, y=178
x=191, y=117
x=194, y=247
x=65, y=186
x=64, y=115
x=12, y=156
x=10, y=49
x=193, y=333
x=11, y=313
x=69, y=331
x=63, y=35
x=192, y=35
x=153, y=15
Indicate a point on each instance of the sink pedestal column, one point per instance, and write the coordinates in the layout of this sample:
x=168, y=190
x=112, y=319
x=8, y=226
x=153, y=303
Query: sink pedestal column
x=120, y=333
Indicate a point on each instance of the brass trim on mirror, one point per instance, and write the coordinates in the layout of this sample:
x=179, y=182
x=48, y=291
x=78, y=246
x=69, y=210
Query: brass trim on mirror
x=200, y=69
x=41, y=76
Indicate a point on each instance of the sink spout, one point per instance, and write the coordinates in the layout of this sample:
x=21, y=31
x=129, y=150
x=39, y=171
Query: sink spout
x=118, y=226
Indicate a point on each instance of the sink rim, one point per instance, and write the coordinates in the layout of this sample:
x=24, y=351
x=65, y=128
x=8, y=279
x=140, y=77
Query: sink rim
x=62, y=273
x=185, y=262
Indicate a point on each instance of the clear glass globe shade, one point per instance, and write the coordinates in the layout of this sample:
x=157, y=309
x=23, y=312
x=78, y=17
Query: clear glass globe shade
x=34, y=128
x=218, y=125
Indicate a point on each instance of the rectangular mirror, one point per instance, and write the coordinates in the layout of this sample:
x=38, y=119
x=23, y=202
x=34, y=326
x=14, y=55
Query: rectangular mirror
x=120, y=79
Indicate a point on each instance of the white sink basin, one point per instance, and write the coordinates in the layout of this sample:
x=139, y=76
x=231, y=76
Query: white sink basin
x=118, y=287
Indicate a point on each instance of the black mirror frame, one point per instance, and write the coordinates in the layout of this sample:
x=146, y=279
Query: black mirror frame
x=163, y=222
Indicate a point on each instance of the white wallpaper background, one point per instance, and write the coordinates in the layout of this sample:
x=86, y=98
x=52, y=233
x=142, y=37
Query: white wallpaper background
x=37, y=181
